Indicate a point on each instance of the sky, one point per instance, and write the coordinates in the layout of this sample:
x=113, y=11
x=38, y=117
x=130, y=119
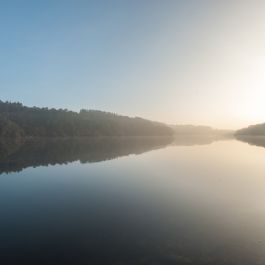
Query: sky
x=184, y=62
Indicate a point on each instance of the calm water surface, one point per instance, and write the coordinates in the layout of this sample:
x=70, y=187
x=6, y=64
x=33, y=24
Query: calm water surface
x=133, y=201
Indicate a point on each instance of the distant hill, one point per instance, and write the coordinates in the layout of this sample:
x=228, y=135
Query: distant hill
x=198, y=130
x=253, y=130
x=18, y=121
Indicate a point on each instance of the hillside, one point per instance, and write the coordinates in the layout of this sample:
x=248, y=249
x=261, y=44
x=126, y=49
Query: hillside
x=253, y=130
x=198, y=130
x=18, y=121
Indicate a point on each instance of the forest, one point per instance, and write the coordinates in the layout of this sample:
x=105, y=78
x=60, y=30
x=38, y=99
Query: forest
x=253, y=130
x=18, y=121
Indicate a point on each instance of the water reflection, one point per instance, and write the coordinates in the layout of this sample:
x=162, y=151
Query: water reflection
x=200, y=205
x=190, y=140
x=252, y=140
x=15, y=156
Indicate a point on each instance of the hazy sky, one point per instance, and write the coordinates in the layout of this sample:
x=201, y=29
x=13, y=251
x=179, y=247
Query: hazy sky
x=200, y=62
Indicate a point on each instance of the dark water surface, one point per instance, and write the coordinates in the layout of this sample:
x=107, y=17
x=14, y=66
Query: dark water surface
x=154, y=201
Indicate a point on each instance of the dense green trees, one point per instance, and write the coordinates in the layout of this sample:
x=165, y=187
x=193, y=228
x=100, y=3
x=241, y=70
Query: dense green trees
x=9, y=128
x=17, y=120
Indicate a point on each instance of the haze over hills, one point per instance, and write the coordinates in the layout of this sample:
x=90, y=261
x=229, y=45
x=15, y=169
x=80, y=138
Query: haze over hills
x=17, y=121
x=252, y=130
x=253, y=135
x=198, y=130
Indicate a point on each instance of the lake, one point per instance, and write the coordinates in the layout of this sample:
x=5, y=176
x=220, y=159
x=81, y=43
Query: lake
x=127, y=201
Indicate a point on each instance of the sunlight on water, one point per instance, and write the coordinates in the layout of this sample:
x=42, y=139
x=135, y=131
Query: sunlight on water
x=199, y=202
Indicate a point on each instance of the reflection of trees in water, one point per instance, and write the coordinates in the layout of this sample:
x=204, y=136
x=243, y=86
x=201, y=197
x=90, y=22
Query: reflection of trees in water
x=15, y=156
x=43, y=152
x=252, y=140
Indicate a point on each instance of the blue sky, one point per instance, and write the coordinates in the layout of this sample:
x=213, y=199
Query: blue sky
x=163, y=60
x=79, y=53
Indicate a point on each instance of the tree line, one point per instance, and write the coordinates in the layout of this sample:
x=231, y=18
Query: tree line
x=253, y=130
x=18, y=121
